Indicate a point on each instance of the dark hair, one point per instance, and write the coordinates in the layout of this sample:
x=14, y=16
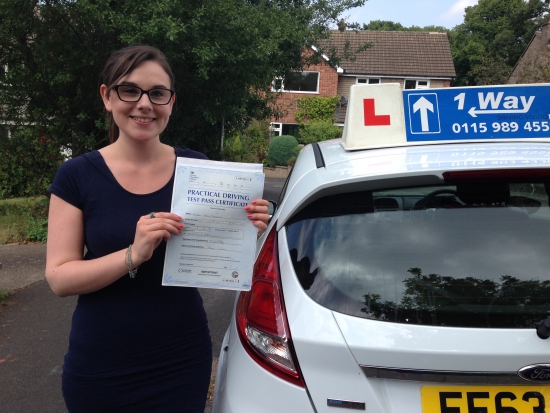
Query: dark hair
x=121, y=63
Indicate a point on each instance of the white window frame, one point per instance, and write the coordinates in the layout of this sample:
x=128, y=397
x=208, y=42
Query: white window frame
x=273, y=89
x=417, y=86
x=367, y=80
x=276, y=128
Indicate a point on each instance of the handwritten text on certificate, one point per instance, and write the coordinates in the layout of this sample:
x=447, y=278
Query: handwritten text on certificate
x=217, y=247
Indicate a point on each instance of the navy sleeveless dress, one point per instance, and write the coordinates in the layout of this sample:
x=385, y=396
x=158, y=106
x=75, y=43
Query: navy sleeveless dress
x=135, y=346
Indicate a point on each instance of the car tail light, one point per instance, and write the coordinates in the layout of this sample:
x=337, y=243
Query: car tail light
x=497, y=175
x=261, y=319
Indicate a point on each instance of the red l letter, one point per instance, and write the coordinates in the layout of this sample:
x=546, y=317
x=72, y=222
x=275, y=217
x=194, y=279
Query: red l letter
x=371, y=119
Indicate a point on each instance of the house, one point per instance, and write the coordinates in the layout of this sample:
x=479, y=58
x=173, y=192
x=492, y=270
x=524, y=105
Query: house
x=316, y=80
x=415, y=60
x=534, y=64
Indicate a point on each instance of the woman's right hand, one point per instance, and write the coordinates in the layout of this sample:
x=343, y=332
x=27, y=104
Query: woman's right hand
x=150, y=231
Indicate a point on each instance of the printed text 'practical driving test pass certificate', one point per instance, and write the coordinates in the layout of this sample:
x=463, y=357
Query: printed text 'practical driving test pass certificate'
x=217, y=247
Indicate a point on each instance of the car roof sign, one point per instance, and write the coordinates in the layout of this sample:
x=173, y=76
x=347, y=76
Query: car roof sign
x=374, y=117
x=384, y=115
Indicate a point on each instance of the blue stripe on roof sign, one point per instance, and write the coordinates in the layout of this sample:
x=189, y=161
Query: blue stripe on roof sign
x=472, y=113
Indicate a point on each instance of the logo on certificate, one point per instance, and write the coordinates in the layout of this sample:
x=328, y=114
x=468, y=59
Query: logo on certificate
x=234, y=274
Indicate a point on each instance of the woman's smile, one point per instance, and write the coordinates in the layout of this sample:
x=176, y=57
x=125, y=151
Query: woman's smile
x=142, y=120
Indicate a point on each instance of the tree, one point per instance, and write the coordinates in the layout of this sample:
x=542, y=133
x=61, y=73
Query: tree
x=492, y=38
x=224, y=53
x=387, y=25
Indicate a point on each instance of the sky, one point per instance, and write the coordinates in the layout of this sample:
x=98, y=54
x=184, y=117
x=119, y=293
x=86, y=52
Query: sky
x=446, y=13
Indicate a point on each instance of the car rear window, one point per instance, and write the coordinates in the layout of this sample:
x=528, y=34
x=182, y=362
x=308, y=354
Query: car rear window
x=463, y=255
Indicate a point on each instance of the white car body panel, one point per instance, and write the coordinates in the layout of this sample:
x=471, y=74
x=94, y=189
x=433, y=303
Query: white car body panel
x=386, y=344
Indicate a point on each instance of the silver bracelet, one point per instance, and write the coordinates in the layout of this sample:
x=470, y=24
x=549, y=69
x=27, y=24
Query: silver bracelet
x=128, y=261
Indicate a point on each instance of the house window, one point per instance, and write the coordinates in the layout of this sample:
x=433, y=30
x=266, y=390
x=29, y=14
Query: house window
x=368, y=80
x=278, y=129
x=303, y=82
x=417, y=84
x=290, y=129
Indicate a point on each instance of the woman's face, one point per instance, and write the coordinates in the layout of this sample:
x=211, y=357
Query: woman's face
x=141, y=120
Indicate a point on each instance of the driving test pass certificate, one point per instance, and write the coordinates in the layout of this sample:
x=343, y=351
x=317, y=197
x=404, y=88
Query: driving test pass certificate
x=217, y=247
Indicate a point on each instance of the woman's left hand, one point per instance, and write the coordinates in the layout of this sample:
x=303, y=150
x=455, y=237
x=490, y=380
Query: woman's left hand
x=257, y=213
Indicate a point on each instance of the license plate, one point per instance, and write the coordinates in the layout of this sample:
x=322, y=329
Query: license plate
x=485, y=399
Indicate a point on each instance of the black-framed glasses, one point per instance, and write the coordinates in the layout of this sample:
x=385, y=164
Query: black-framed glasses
x=130, y=93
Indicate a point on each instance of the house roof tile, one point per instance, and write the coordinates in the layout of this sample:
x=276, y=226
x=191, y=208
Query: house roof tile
x=400, y=54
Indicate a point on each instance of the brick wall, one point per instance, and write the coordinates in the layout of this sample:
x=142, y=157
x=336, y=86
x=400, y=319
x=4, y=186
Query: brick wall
x=344, y=84
x=328, y=86
x=439, y=83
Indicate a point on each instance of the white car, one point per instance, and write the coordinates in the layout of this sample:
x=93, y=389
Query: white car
x=406, y=268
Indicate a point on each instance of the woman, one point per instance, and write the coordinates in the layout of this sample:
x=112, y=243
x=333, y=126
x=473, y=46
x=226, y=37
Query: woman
x=135, y=346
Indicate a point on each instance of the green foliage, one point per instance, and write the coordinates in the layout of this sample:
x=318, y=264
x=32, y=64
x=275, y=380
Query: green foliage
x=259, y=134
x=37, y=229
x=28, y=162
x=23, y=220
x=282, y=149
x=316, y=108
x=494, y=33
x=316, y=117
x=3, y=294
x=249, y=145
x=386, y=25
x=492, y=70
x=237, y=146
x=292, y=160
x=319, y=130
x=224, y=54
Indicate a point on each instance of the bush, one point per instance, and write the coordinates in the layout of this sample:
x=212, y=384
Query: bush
x=316, y=108
x=37, y=229
x=28, y=163
x=282, y=149
x=24, y=220
x=249, y=145
x=318, y=131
